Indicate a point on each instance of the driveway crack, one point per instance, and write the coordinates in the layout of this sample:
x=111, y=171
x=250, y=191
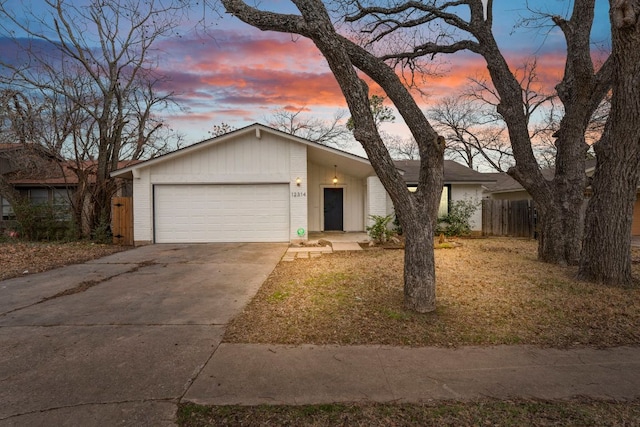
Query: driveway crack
x=80, y=405
x=82, y=287
x=196, y=373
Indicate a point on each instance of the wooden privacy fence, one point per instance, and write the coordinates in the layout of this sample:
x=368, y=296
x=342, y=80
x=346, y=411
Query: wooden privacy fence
x=122, y=220
x=515, y=218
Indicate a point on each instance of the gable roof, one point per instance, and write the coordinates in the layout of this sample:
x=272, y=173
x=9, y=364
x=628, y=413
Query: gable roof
x=328, y=154
x=454, y=172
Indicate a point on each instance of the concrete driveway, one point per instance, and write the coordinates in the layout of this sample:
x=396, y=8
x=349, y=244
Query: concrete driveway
x=119, y=340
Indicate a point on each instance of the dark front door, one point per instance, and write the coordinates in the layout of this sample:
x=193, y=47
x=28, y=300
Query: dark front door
x=333, y=209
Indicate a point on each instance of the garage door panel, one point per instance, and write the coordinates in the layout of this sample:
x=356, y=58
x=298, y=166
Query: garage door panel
x=221, y=213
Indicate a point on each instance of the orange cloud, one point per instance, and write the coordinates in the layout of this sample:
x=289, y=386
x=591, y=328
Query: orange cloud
x=243, y=75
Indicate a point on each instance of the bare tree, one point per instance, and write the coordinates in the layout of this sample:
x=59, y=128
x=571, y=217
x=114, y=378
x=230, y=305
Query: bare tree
x=416, y=211
x=402, y=148
x=606, y=256
x=582, y=88
x=221, y=129
x=325, y=132
x=16, y=116
x=473, y=134
x=92, y=65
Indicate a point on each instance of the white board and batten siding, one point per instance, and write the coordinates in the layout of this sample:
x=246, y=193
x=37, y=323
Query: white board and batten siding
x=473, y=193
x=378, y=200
x=241, y=189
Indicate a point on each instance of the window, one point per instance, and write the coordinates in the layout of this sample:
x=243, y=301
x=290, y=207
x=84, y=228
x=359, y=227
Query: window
x=444, y=199
x=62, y=203
x=6, y=211
x=39, y=196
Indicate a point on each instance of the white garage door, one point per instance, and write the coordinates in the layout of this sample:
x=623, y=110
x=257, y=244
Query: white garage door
x=221, y=213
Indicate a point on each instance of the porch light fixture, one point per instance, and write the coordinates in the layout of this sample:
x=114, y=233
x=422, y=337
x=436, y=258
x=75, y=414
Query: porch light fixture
x=335, y=175
x=298, y=181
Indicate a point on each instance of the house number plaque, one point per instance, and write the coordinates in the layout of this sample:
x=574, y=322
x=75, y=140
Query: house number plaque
x=298, y=194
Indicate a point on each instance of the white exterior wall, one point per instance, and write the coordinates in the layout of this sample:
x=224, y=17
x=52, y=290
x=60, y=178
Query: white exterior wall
x=377, y=199
x=354, y=193
x=471, y=192
x=390, y=208
x=246, y=159
x=298, y=216
x=142, y=208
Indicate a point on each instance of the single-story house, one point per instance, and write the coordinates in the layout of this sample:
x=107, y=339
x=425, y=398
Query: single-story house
x=257, y=184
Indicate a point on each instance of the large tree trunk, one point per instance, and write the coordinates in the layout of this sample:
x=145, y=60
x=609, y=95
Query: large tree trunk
x=419, y=268
x=606, y=255
x=606, y=252
x=560, y=227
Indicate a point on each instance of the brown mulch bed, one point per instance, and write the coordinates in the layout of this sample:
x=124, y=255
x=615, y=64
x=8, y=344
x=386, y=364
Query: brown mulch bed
x=490, y=291
x=22, y=258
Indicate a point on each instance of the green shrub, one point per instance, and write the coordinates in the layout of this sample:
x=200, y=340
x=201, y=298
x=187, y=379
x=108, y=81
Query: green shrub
x=457, y=221
x=102, y=232
x=38, y=222
x=379, y=231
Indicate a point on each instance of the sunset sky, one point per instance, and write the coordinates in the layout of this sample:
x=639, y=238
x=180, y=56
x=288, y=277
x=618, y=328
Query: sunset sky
x=238, y=75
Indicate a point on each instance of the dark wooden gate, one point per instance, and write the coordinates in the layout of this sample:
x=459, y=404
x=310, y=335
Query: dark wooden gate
x=516, y=218
x=122, y=220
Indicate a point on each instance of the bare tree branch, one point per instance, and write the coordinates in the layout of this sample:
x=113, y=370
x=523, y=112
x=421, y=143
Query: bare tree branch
x=333, y=132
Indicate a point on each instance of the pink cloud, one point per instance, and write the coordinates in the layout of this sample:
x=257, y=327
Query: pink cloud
x=242, y=75
x=294, y=109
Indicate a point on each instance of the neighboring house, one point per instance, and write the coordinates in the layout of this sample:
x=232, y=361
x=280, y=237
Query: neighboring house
x=32, y=172
x=256, y=184
x=507, y=188
x=504, y=188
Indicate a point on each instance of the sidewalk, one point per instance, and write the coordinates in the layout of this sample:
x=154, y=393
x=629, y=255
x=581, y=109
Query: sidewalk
x=248, y=374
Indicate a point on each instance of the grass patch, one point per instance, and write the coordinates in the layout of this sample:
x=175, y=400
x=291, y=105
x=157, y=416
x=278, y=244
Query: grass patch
x=490, y=292
x=485, y=413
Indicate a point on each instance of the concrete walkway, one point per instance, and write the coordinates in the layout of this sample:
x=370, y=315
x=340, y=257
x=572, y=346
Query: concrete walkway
x=335, y=241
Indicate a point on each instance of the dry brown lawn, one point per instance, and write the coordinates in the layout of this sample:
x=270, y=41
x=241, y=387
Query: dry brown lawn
x=578, y=413
x=21, y=258
x=489, y=291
